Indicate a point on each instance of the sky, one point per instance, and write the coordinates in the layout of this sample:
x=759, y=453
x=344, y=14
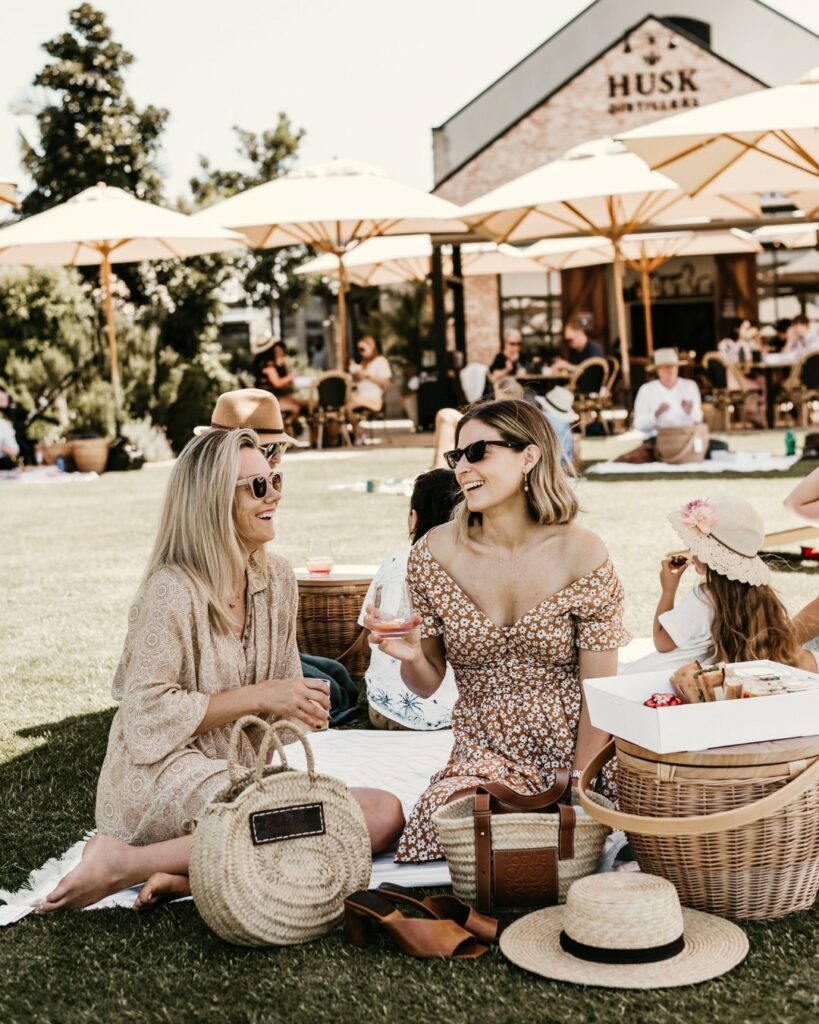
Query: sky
x=367, y=79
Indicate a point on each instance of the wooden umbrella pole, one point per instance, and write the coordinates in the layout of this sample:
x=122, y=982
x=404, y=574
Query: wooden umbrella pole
x=620, y=306
x=105, y=274
x=342, y=316
x=645, y=288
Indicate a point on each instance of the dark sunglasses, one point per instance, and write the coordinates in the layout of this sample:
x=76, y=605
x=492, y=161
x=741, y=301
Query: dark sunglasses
x=260, y=485
x=476, y=451
x=274, y=450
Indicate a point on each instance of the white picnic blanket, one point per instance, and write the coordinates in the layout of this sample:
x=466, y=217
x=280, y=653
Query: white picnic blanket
x=401, y=762
x=720, y=462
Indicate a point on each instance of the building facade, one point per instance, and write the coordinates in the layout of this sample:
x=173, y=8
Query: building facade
x=617, y=65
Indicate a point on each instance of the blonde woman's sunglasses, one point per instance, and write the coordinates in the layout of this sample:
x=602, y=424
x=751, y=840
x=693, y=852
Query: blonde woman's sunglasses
x=260, y=486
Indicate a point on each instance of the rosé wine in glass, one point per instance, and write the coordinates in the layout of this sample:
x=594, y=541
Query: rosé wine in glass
x=320, y=561
x=392, y=610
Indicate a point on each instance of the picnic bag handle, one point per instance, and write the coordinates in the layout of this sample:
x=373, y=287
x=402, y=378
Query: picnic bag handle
x=271, y=738
x=508, y=801
x=698, y=824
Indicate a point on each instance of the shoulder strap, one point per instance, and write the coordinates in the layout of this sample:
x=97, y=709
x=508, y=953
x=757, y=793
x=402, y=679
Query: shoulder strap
x=507, y=801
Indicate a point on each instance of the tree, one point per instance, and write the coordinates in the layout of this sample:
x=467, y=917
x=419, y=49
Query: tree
x=267, y=275
x=90, y=129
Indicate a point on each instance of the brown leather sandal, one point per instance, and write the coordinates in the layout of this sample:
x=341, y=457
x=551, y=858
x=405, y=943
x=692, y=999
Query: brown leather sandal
x=426, y=937
x=446, y=908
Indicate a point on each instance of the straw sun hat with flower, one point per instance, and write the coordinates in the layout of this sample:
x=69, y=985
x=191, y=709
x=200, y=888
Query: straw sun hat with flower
x=624, y=930
x=726, y=534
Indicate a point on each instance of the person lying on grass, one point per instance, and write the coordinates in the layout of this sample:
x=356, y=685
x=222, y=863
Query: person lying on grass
x=211, y=637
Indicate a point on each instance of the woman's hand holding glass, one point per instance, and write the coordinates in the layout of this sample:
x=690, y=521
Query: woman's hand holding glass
x=393, y=624
x=307, y=700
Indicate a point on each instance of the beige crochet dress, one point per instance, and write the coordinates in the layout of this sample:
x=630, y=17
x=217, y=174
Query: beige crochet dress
x=518, y=707
x=157, y=777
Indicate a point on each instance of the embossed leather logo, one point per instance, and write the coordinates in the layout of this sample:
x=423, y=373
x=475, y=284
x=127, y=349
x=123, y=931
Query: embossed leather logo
x=287, y=823
x=525, y=878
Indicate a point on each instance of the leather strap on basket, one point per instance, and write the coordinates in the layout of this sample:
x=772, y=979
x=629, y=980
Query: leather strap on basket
x=494, y=797
x=696, y=825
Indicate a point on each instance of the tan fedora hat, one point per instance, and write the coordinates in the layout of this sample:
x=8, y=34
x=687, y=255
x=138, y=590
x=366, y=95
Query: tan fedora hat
x=560, y=404
x=249, y=407
x=624, y=930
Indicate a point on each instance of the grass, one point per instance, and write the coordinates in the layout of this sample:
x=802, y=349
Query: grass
x=73, y=556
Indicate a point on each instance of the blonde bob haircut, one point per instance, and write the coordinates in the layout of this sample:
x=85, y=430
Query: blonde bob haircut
x=196, y=532
x=550, y=499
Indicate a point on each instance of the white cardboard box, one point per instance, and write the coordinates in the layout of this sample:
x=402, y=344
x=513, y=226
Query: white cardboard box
x=616, y=706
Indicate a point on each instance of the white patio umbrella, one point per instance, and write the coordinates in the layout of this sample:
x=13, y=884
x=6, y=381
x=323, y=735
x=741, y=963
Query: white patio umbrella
x=332, y=207
x=387, y=261
x=598, y=188
x=792, y=236
x=804, y=269
x=646, y=252
x=104, y=225
x=762, y=141
x=8, y=191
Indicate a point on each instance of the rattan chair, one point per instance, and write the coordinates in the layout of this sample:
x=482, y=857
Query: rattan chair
x=328, y=399
x=728, y=391
x=799, y=392
x=588, y=383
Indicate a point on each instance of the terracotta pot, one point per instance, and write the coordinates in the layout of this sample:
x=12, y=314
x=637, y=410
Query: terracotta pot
x=90, y=454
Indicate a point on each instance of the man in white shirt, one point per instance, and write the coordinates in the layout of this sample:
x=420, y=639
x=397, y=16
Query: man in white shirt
x=9, y=448
x=668, y=401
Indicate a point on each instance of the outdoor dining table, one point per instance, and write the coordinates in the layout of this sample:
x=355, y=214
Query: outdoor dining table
x=329, y=606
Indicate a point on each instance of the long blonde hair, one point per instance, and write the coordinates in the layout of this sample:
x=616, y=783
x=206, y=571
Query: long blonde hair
x=750, y=622
x=196, y=530
x=550, y=499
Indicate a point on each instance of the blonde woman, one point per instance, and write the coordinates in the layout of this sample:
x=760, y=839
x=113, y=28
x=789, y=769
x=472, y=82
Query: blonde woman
x=522, y=602
x=211, y=637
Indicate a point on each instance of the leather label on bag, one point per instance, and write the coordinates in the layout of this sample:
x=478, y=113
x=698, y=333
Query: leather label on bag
x=287, y=823
x=525, y=878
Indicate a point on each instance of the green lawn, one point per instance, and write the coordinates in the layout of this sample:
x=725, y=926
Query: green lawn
x=72, y=559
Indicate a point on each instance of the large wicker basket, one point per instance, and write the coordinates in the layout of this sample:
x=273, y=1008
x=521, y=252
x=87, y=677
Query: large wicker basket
x=328, y=621
x=736, y=829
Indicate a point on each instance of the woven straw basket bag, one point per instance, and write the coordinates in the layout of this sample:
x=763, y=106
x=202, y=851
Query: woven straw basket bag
x=735, y=830
x=506, y=850
x=279, y=849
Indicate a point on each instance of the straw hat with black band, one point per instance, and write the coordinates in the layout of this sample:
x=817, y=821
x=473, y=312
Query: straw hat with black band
x=251, y=408
x=624, y=930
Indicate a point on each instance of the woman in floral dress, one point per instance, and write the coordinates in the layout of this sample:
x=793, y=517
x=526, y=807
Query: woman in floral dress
x=522, y=602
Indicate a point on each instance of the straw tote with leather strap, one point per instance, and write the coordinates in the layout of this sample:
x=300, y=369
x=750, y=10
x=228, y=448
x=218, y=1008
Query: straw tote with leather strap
x=755, y=856
x=505, y=849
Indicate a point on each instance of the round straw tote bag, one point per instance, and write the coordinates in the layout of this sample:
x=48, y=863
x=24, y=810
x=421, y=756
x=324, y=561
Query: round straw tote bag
x=735, y=829
x=279, y=849
x=507, y=850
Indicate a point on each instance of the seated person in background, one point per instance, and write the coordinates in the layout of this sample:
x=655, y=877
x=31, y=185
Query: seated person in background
x=735, y=615
x=506, y=364
x=258, y=410
x=9, y=448
x=392, y=705
x=778, y=342
x=580, y=348
x=371, y=378
x=801, y=338
x=740, y=348
x=558, y=408
x=274, y=375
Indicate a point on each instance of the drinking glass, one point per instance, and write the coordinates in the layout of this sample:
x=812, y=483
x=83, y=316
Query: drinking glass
x=392, y=609
x=320, y=559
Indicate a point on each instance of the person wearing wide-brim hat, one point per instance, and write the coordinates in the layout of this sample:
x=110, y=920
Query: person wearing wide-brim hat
x=254, y=409
x=624, y=930
x=259, y=410
x=558, y=407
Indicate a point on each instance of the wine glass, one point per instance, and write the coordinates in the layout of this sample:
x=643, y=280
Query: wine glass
x=320, y=559
x=392, y=609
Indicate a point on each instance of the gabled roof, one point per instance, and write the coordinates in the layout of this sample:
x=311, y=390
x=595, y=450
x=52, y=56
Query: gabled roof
x=749, y=34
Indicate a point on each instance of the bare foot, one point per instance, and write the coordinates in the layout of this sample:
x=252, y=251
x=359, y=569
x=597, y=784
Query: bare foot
x=160, y=887
x=101, y=872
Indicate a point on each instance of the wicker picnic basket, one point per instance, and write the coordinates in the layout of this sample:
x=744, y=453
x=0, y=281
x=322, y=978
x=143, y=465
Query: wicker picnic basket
x=735, y=829
x=279, y=849
x=526, y=861
x=328, y=621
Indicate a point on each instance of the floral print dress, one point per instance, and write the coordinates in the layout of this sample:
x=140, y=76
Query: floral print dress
x=518, y=708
